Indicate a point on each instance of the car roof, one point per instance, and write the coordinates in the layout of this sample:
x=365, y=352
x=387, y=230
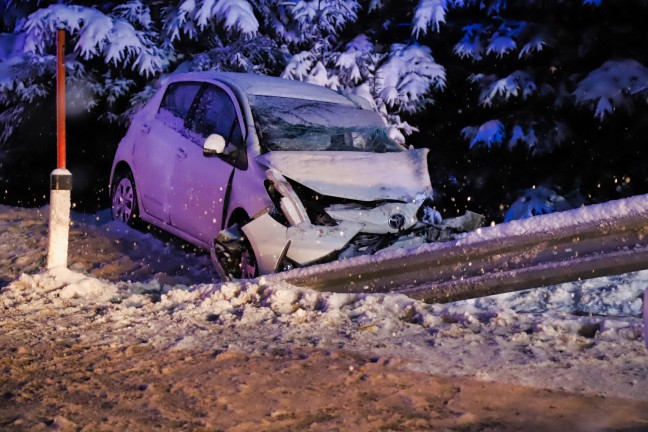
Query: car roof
x=263, y=85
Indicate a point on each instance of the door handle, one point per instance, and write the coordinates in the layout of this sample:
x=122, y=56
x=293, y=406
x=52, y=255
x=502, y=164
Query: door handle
x=181, y=153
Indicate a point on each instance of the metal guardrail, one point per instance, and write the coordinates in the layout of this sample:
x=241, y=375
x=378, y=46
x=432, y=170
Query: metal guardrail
x=593, y=241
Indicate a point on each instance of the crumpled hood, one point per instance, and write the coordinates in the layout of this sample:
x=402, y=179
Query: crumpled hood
x=358, y=176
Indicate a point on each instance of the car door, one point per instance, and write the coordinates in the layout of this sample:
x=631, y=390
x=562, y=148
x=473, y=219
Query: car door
x=201, y=182
x=161, y=137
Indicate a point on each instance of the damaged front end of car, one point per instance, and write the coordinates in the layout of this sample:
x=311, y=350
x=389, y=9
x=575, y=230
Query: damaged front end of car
x=337, y=205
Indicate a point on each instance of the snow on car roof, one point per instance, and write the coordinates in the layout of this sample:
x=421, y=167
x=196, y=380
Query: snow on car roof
x=263, y=85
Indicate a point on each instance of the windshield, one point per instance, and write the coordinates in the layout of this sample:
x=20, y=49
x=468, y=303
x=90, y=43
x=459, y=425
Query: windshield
x=288, y=124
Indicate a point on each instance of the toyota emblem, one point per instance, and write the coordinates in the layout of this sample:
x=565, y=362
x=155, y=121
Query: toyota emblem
x=397, y=221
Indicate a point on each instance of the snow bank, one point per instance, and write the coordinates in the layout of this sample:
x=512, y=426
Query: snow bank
x=584, y=337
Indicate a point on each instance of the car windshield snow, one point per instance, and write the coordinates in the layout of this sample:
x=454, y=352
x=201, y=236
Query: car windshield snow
x=289, y=124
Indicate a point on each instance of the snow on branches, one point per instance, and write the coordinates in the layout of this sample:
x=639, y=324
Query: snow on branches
x=97, y=35
x=191, y=17
x=403, y=84
x=500, y=39
x=404, y=81
x=611, y=86
x=400, y=81
x=314, y=22
x=326, y=17
x=539, y=138
x=517, y=84
x=313, y=41
x=537, y=201
x=359, y=60
x=428, y=13
x=305, y=66
x=19, y=81
x=488, y=134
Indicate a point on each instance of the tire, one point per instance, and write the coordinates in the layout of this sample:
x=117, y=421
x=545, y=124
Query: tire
x=233, y=257
x=124, y=199
x=248, y=265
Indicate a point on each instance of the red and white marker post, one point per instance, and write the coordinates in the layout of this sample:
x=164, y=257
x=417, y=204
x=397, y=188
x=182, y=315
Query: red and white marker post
x=61, y=178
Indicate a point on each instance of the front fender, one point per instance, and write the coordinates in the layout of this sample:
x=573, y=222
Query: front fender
x=308, y=242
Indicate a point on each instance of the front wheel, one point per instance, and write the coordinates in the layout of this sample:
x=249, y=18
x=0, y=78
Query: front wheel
x=232, y=255
x=124, y=199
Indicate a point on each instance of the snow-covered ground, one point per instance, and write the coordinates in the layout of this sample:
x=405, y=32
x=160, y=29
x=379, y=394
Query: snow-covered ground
x=584, y=337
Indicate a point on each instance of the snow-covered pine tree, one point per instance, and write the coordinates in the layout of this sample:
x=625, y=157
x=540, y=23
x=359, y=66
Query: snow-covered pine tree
x=397, y=80
x=537, y=92
x=503, y=52
x=115, y=53
x=547, y=78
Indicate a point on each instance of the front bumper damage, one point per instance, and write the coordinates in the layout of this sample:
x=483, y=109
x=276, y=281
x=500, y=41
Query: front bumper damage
x=358, y=231
x=328, y=206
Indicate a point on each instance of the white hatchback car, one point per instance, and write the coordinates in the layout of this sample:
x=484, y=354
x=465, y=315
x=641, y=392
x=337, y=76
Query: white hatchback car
x=268, y=173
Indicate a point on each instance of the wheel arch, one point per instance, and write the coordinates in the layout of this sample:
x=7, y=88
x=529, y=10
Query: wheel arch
x=238, y=215
x=122, y=167
x=123, y=170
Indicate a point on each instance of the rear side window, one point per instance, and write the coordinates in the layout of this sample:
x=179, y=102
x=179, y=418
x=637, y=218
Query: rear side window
x=176, y=104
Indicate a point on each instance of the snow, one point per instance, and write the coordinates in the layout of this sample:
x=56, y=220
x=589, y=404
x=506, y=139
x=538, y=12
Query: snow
x=428, y=12
x=518, y=83
x=519, y=136
x=501, y=45
x=584, y=337
x=536, y=201
x=488, y=134
x=602, y=214
x=355, y=173
x=236, y=15
x=408, y=75
x=321, y=17
x=470, y=45
x=299, y=66
x=262, y=85
x=611, y=86
x=96, y=34
x=537, y=44
x=136, y=12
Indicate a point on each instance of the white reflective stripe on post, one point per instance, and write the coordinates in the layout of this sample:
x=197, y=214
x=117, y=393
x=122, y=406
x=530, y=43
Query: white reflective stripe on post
x=59, y=223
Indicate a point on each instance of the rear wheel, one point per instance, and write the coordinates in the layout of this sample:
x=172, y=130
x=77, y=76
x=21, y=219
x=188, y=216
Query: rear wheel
x=124, y=199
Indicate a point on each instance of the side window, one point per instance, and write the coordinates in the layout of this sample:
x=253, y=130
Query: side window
x=215, y=113
x=176, y=103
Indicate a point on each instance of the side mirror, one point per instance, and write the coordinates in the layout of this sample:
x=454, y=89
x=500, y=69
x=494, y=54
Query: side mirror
x=214, y=145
